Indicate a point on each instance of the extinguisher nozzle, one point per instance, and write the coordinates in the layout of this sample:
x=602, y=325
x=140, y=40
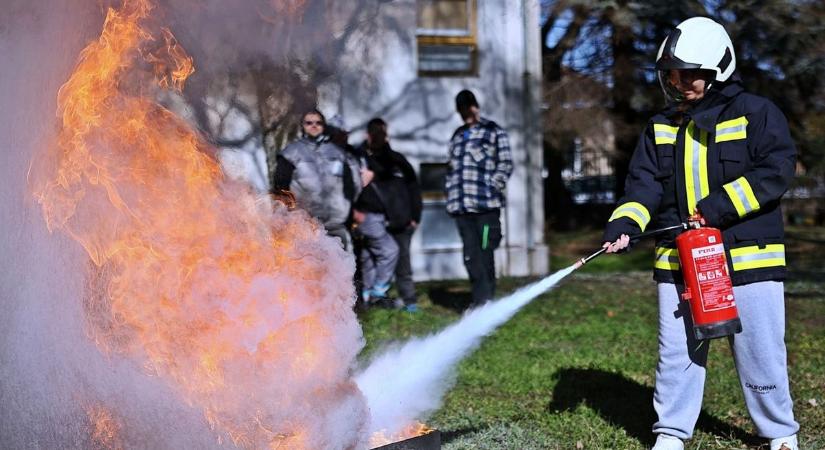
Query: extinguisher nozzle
x=584, y=261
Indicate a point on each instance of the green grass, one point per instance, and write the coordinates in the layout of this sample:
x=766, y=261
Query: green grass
x=575, y=368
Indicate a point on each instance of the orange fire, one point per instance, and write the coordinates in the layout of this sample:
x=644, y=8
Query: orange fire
x=105, y=429
x=412, y=430
x=245, y=307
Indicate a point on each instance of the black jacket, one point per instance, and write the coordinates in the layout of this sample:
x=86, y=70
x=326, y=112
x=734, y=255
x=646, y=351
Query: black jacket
x=394, y=191
x=730, y=157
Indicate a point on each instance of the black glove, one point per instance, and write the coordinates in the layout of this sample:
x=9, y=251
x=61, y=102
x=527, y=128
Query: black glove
x=615, y=229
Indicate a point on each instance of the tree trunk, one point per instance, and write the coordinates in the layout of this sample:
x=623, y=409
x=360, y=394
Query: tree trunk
x=624, y=88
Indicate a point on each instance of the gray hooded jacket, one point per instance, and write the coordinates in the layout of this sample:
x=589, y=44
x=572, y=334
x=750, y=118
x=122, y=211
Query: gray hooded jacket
x=318, y=179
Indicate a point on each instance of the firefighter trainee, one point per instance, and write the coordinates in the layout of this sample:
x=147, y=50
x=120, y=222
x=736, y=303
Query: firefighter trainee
x=726, y=154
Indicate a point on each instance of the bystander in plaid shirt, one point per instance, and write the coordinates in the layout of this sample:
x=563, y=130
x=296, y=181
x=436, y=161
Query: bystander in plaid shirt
x=480, y=164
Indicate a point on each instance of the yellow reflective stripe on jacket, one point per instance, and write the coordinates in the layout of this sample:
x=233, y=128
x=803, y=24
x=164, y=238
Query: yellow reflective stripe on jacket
x=742, y=258
x=753, y=257
x=741, y=195
x=635, y=211
x=696, y=165
x=731, y=130
x=666, y=259
x=664, y=134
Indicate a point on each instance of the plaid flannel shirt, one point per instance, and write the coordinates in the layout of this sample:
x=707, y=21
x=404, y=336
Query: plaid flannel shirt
x=480, y=164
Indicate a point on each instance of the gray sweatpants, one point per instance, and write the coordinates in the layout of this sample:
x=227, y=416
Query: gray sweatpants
x=403, y=270
x=379, y=252
x=758, y=352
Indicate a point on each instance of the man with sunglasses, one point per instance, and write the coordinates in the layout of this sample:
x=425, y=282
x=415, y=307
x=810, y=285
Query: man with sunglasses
x=323, y=179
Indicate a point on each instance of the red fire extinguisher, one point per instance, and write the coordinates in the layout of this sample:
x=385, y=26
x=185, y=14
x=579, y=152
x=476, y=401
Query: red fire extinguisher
x=708, y=288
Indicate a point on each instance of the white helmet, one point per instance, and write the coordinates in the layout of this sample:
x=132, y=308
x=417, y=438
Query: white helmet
x=696, y=43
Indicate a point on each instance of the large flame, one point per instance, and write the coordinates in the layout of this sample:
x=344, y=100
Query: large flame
x=245, y=307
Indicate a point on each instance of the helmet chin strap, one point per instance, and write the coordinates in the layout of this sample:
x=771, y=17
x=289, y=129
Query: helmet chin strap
x=709, y=83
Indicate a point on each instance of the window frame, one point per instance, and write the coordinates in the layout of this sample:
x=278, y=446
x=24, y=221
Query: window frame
x=450, y=38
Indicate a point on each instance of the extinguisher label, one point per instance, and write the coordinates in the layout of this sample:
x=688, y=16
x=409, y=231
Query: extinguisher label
x=715, y=289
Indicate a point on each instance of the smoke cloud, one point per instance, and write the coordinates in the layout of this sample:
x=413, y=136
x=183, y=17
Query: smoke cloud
x=160, y=311
x=421, y=370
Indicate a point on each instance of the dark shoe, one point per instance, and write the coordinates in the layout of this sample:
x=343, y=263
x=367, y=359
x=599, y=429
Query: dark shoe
x=411, y=308
x=383, y=302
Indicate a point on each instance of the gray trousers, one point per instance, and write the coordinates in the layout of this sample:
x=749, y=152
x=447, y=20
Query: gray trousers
x=379, y=252
x=403, y=270
x=759, y=355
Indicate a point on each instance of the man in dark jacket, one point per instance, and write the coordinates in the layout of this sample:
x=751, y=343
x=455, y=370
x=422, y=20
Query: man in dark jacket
x=726, y=155
x=395, y=195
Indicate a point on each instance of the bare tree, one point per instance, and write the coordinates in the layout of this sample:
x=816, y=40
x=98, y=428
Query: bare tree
x=260, y=63
x=780, y=54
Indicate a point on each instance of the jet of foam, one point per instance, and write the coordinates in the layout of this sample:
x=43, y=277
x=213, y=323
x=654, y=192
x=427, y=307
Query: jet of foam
x=406, y=382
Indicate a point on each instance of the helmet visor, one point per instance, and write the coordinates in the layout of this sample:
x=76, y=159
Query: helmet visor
x=672, y=94
x=681, y=84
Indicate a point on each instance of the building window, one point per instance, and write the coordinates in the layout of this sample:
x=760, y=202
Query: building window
x=431, y=179
x=446, y=37
x=438, y=231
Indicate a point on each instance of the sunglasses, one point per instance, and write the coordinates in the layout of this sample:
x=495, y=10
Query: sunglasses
x=313, y=122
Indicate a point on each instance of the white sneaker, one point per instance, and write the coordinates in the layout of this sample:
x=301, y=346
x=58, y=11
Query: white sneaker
x=668, y=442
x=785, y=443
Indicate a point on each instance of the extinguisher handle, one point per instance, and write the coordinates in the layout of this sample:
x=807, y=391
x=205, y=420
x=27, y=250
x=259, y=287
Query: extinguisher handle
x=695, y=221
x=635, y=237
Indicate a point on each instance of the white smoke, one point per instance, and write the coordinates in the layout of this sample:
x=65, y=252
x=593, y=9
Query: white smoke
x=407, y=382
x=51, y=373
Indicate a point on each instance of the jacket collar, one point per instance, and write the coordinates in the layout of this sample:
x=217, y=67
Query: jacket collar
x=316, y=141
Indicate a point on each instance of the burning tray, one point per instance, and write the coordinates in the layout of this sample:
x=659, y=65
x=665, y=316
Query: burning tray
x=427, y=441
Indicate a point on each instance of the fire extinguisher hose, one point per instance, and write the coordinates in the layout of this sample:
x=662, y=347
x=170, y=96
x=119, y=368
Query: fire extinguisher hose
x=681, y=226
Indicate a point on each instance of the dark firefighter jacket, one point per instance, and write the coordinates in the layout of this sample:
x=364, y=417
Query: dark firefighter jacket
x=730, y=158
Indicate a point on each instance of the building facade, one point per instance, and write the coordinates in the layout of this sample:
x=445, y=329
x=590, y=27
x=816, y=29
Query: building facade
x=405, y=65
